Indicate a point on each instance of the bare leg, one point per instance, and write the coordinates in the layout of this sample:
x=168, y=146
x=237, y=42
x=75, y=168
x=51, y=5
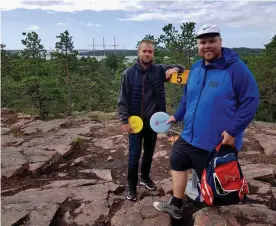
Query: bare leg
x=175, y=206
x=179, y=179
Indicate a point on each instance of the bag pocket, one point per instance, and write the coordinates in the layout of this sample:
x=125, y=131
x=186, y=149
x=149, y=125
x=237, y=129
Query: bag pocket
x=227, y=177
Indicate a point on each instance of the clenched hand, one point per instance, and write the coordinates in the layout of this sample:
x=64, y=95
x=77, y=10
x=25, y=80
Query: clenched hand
x=170, y=71
x=171, y=119
x=126, y=128
x=227, y=139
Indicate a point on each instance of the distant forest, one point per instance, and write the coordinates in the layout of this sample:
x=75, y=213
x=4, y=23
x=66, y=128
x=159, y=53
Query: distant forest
x=242, y=51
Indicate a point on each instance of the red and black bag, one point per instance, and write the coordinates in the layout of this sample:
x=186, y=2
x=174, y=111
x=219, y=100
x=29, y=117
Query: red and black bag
x=222, y=181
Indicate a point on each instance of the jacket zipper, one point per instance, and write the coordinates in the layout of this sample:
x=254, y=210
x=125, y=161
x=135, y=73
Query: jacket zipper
x=203, y=85
x=142, y=104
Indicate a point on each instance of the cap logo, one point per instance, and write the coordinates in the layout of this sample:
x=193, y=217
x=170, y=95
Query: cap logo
x=206, y=28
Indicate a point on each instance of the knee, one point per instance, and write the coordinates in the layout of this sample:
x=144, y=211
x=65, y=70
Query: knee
x=148, y=153
x=147, y=158
x=179, y=161
x=134, y=157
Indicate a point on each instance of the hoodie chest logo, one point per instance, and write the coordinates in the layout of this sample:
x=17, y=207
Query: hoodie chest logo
x=213, y=84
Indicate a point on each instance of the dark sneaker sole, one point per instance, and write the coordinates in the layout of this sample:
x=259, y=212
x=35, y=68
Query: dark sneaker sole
x=144, y=184
x=131, y=199
x=155, y=205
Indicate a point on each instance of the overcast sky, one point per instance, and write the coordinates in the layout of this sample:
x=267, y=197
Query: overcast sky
x=242, y=23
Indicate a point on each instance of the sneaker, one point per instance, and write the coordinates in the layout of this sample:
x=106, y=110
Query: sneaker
x=132, y=194
x=167, y=207
x=149, y=184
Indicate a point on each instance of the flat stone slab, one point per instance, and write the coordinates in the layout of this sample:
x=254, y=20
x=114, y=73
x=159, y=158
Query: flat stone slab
x=70, y=183
x=160, y=154
x=10, y=140
x=12, y=161
x=230, y=215
x=256, y=171
x=5, y=130
x=141, y=213
x=11, y=156
x=105, y=143
x=42, y=204
x=62, y=146
x=263, y=188
x=166, y=185
x=37, y=152
x=39, y=214
x=91, y=212
x=254, y=212
x=101, y=173
x=268, y=142
x=214, y=216
x=10, y=215
x=34, y=155
x=43, y=127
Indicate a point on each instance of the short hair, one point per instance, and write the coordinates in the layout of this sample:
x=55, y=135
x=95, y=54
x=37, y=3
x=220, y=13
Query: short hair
x=146, y=41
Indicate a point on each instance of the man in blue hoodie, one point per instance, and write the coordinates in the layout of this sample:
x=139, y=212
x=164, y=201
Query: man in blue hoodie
x=220, y=100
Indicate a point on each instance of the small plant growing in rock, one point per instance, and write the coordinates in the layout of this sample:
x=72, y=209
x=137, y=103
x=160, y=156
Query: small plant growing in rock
x=16, y=132
x=78, y=140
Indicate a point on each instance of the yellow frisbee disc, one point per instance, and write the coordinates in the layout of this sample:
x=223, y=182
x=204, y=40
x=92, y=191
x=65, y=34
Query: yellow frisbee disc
x=135, y=123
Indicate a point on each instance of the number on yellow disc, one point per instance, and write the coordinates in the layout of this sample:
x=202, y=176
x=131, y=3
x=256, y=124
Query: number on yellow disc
x=180, y=78
x=136, y=123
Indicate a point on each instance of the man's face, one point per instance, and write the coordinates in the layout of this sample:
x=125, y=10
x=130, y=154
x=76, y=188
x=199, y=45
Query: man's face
x=209, y=48
x=146, y=53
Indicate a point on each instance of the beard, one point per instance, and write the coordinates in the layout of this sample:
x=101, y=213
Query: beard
x=146, y=63
x=210, y=57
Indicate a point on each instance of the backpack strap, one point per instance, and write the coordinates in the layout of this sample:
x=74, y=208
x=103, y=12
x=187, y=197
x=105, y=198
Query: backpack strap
x=218, y=147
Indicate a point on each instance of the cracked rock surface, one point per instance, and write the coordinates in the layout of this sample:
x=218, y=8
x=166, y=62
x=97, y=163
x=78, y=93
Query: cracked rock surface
x=72, y=171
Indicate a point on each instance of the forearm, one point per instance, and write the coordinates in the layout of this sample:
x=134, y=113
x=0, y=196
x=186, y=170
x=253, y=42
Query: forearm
x=248, y=99
x=178, y=67
x=181, y=110
x=123, y=114
x=123, y=100
x=244, y=115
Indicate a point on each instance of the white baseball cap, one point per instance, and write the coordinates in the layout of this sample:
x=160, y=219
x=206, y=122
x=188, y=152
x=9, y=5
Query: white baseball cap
x=208, y=29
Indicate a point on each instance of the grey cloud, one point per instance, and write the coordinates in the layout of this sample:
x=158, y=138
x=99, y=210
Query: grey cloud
x=33, y=27
x=45, y=3
x=231, y=13
x=61, y=24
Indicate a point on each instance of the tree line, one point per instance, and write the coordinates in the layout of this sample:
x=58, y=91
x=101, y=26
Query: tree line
x=242, y=51
x=66, y=83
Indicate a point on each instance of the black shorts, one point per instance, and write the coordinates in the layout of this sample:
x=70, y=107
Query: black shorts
x=185, y=156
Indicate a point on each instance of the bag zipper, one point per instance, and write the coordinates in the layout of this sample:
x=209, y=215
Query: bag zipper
x=215, y=159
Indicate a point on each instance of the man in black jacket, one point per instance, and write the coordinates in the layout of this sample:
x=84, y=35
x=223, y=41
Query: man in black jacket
x=142, y=93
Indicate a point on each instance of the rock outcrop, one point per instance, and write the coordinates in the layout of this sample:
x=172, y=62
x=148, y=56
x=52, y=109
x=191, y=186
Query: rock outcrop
x=72, y=171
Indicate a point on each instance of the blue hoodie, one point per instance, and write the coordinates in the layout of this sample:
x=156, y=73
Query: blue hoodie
x=220, y=96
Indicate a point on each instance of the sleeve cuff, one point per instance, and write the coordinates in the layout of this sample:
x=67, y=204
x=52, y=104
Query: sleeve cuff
x=231, y=133
x=180, y=69
x=176, y=116
x=124, y=121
